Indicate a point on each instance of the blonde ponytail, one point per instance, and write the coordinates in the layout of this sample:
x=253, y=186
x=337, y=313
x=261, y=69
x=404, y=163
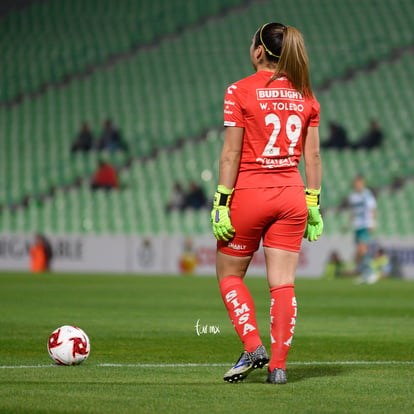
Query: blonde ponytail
x=294, y=62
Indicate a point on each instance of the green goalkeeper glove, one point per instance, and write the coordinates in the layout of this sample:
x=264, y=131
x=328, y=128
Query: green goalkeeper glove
x=314, y=225
x=220, y=215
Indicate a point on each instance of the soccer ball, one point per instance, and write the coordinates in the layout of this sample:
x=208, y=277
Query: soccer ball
x=68, y=345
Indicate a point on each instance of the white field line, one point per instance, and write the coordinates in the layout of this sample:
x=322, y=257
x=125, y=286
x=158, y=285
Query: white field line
x=191, y=365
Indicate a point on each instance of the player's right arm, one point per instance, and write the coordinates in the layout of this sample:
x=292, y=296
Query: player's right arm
x=229, y=164
x=228, y=170
x=312, y=157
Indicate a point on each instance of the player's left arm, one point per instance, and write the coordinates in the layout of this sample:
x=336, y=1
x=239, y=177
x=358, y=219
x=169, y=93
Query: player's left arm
x=313, y=173
x=312, y=157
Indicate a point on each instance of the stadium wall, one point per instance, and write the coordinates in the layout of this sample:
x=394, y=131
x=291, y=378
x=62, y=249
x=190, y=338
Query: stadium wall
x=167, y=254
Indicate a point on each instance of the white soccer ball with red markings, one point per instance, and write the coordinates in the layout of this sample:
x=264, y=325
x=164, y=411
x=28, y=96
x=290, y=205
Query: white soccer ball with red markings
x=68, y=345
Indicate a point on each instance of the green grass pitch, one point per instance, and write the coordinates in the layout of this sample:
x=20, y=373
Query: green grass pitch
x=353, y=350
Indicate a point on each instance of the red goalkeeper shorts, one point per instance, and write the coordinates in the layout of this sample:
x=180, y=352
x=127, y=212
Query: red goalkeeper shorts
x=276, y=214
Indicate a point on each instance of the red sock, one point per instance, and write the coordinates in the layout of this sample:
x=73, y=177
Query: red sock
x=240, y=306
x=282, y=323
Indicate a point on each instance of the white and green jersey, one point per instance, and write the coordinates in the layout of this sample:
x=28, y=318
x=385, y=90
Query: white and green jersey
x=363, y=205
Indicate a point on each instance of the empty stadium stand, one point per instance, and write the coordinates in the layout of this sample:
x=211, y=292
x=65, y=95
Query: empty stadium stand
x=160, y=73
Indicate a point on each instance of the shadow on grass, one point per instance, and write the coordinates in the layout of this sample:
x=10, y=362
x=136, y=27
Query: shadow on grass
x=297, y=374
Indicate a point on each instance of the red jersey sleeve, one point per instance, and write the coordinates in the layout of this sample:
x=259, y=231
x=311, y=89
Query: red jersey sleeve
x=233, y=112
x=315, y=113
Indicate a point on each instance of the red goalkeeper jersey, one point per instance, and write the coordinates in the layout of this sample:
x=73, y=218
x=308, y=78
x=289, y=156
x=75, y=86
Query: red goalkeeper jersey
x=275, y=120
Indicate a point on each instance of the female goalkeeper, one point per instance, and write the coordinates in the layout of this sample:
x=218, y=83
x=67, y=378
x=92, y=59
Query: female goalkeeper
x=270, y=118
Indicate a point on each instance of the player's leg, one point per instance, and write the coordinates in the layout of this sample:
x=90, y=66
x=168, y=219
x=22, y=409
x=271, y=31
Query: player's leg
x=233, y=259
x=237, y=298
x=360, y=249
x=364, y=266
x=282, y=243
x=281, y=270
x=240, y=307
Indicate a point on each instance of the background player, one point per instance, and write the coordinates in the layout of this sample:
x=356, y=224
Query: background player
x=363, y=214
x=270, y=117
